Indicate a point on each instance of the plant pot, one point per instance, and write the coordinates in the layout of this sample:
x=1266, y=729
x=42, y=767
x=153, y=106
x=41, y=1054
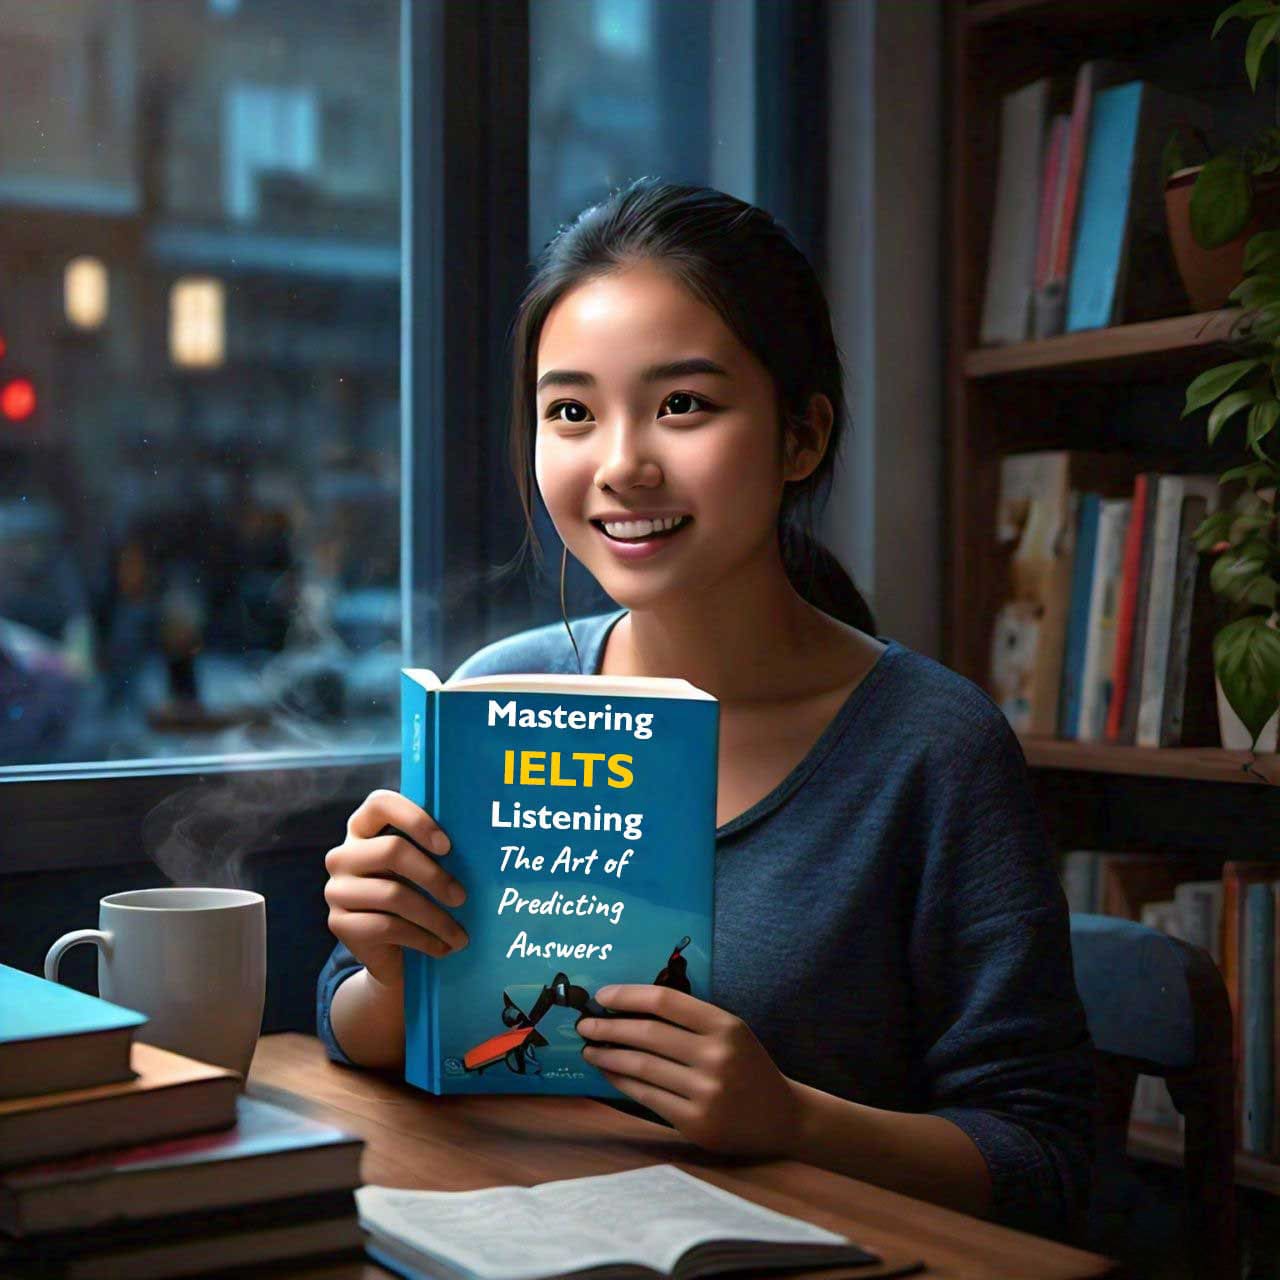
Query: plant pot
x=1231, y=729
x=1209, y=275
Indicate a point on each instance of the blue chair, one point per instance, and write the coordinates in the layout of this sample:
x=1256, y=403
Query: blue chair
x=1157, y=1006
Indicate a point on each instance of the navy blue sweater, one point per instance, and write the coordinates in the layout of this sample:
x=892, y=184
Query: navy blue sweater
x=890, y=925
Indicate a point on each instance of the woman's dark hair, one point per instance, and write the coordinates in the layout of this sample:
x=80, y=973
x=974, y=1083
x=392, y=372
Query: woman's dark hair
x=737, y=259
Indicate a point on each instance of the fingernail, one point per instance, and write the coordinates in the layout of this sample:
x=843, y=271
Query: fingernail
x=460, y=941
x=604, y=994
x=440, y=844
x=457, y=895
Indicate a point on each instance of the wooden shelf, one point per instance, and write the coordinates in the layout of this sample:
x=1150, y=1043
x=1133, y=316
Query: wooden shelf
x=1202, y=764
x=1178, y=342
x=1164, y=1146
x=1072, y=17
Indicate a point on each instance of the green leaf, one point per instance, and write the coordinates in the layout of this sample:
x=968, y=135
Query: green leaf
x=1245, y=9
x=1262, y=35
x=1251, y=472
x=1221, y=201
x=1211, y=530
x=1231, y=404
x=1262, y=250
x=1246, y=658
x=1235, y=570
x=1262, y=591
x=1215, y=382
x=1262, y=420
x=1258, y=290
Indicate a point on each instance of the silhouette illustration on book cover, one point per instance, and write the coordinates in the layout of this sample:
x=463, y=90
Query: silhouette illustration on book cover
x=517, y=1046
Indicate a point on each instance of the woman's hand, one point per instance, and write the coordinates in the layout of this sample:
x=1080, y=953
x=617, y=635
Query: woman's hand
x=371, y=908
x=698, y=1067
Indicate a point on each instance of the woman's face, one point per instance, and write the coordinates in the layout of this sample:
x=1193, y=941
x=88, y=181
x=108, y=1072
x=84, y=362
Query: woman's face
x=617, y=434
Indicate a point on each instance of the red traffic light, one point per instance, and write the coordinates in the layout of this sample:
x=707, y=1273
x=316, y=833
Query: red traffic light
x=18, y=399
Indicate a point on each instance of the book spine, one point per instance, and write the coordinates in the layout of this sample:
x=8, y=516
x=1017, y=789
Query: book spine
x=1155, y=658
x=417, y=706
x=1104, y=208
x=1137, y=649
x=1127, y=604
x=1194, y=508
x=1100, y=651
x=1078, y=615
x=1259, y=1008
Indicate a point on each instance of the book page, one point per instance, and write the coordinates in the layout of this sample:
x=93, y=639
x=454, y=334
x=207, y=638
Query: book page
x=647, y=1216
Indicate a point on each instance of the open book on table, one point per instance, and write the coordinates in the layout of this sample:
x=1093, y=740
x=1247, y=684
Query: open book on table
x=656, y=1221
x=581, y=812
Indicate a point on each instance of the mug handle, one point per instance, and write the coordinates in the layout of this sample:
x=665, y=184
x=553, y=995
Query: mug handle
x=101, y=940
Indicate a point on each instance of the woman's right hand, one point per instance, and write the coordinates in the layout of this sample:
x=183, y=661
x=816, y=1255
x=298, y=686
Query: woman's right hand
x=374, y=913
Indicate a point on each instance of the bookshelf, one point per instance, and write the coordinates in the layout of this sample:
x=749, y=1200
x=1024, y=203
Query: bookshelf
x=1119, y=388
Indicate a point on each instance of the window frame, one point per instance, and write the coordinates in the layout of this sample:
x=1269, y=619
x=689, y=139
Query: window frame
x=464, y=155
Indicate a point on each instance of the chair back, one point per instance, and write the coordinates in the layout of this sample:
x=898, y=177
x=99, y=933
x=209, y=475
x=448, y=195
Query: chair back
x=1157, y=1006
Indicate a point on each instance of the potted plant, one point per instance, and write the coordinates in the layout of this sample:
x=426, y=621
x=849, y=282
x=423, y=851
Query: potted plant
x=1215, y=207
x=1245, y=535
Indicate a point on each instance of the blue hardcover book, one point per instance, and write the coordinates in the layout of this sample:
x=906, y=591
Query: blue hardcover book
x=1104, y=206
x=1259, y=1018
x=54, y=1038
x=1078, y=616
x=581, y=812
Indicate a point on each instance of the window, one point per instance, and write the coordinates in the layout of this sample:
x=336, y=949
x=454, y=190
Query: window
x=258, y=260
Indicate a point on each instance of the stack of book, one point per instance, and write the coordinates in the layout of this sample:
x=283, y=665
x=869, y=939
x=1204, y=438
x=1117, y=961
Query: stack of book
x=1078, y=236
x=118, y=1158
x=1107, y=631
x=1233, y=912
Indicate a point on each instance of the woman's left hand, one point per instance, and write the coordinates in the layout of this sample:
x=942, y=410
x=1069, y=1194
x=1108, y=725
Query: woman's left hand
x=697, y=1066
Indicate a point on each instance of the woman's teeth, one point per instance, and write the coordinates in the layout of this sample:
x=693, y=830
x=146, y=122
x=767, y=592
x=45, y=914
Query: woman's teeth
x=639, y=530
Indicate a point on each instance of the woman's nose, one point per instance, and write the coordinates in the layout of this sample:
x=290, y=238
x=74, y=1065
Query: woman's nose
x=628, y=462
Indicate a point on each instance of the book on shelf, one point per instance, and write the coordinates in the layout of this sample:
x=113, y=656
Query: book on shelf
x=245, y=1237
x=1036, y=532
x=1237, y=876
x=614, y=1224
x=1122, y=268
x=1045, y=306
x=1172, y=545
x=54, y=1038
x=581, y=812
x=168, y=1094
x=1131, y=625
x=1006, y=307
x=1071, y=693
x=269, y=1154
x=1096, y=681
x=1257, y=1064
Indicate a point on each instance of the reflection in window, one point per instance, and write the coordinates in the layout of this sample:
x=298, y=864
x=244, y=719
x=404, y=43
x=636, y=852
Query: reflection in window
x=199, y=372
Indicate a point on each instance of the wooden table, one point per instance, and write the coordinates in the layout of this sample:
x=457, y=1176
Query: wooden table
x=454, y=1144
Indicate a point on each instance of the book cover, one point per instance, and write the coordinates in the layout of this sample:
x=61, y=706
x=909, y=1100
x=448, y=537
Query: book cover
x=1127, y=606
x=1095, y=692
x=1259, y=1018
x=1189, y=582
x=1006, y=309
x=1137, y=648
x=1122, y=267
x=1171, y=492
x=1236, y=878
x=581, y=814
x=269, y=1153
x=1078, y=616
x=39, y=1018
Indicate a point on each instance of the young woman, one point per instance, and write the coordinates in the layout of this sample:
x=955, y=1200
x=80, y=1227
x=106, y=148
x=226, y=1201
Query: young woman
x=893, y=995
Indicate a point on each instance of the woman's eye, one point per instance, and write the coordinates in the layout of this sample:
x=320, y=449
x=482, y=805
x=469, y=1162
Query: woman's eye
x=681, y=397
x=553, y=413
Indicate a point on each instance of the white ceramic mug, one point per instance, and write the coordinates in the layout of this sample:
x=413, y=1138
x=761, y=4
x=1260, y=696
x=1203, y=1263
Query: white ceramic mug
x=193, y=960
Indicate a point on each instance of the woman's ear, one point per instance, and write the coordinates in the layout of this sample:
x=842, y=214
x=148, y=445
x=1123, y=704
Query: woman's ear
x=807, y=438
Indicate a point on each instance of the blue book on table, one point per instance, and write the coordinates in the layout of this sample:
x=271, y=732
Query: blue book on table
x=54, y=1038
x=581, y=812
x=1259, y=1014
x=1078, y=616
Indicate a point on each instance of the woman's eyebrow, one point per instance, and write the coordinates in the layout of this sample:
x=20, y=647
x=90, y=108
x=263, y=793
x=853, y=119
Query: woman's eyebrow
x=654, y=373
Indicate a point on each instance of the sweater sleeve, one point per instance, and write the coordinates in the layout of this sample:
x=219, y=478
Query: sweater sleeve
x=337, y=969
x=1005, y=1050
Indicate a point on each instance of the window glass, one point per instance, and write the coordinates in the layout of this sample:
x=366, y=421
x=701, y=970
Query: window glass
x=199, y=377
x=621, y=89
